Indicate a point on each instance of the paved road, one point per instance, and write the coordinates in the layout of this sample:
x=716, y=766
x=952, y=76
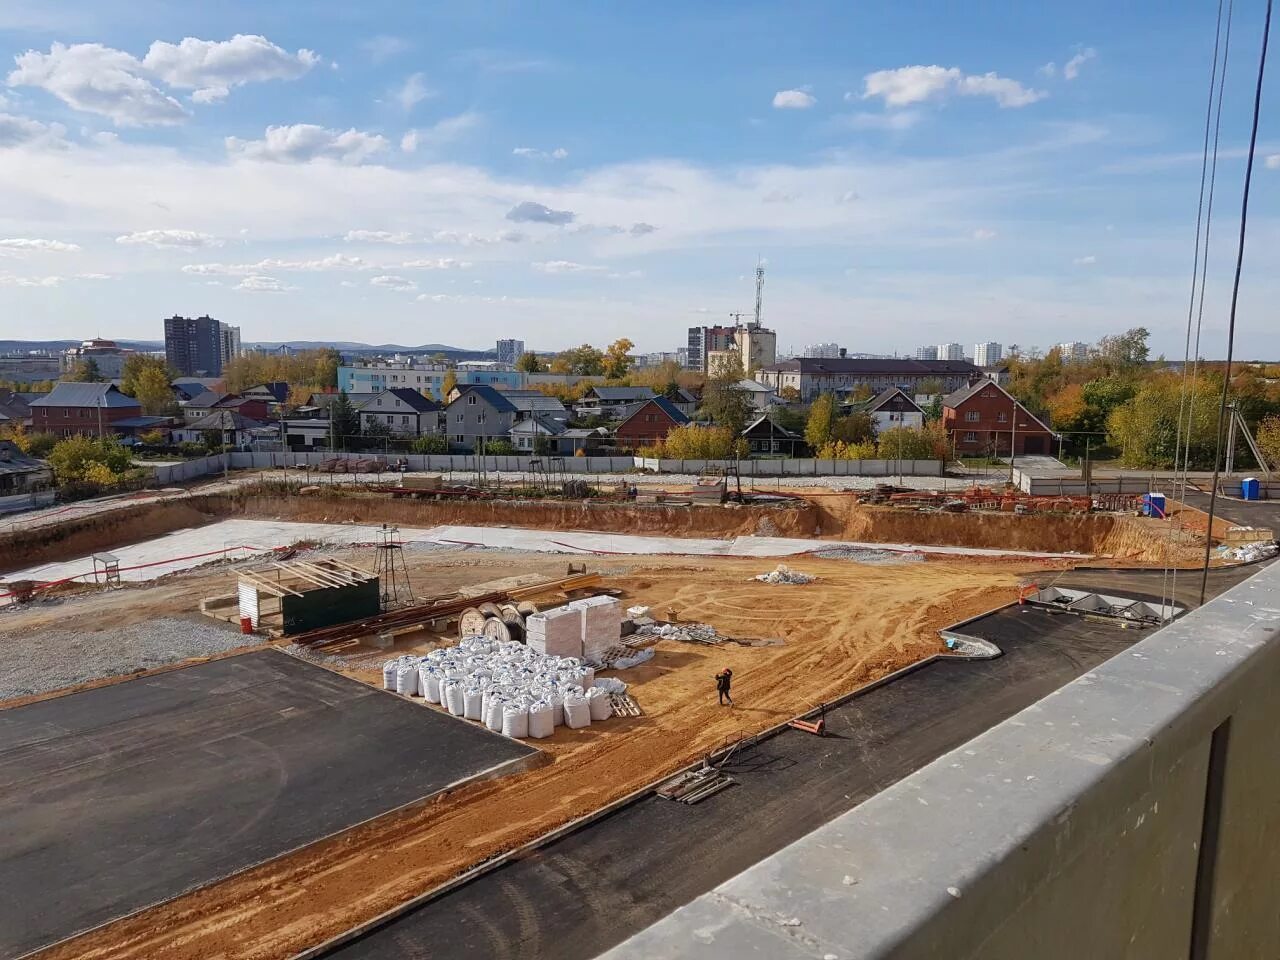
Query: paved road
x=116, y=798
x=590, y=890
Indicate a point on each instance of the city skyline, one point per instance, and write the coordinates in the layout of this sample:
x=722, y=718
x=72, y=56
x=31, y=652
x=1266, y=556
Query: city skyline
x=412, y=173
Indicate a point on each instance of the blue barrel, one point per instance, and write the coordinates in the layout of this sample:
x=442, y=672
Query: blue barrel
x=1250, y=489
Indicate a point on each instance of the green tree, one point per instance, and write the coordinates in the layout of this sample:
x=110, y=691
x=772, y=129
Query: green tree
x=907, y=444
x=933, y=412
x=726, y=403
x=854, y=428
x=1146, y=428
x=39, y=445
x=344, y=422
x=617, y=360
x=822, y=420
x=1125, y=351
x=432, y=443
x=495, y=447
x=84, y=459
x=529, y=363
x=85, y=371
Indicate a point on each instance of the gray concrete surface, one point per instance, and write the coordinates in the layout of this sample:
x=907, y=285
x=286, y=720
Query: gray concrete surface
x=119, y=797
x=1086, y=826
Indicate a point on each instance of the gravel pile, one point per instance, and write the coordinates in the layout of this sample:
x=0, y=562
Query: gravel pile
x=784, y=574
x=861, y=555
x=47, y=660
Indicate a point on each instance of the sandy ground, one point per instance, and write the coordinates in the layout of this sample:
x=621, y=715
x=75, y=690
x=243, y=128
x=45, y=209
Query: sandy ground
x=856, y=623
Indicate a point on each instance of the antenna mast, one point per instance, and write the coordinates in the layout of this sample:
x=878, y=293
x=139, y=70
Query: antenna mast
x=759, y=289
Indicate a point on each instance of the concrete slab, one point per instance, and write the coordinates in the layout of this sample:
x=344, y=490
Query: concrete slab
x=117, y=798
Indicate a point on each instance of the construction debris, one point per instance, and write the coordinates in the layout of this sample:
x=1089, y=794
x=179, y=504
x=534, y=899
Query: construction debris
x=784, y=574
x=695, y=785
x=684, y=632
x=862, y=555
x=624, y=705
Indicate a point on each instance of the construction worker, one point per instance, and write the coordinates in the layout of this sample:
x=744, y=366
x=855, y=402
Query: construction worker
x=723, y=680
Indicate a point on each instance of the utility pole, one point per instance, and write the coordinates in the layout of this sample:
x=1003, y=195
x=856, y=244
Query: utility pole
x=1013, y=442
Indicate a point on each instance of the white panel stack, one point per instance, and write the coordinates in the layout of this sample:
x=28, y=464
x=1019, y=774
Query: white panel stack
x=601, y=626
x=555, y=632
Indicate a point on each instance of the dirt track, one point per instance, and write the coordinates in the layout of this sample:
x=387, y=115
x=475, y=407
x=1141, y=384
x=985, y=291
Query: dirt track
x=856, y=623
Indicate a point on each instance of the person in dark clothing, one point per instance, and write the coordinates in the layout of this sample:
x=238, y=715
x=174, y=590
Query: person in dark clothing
x=723, y=680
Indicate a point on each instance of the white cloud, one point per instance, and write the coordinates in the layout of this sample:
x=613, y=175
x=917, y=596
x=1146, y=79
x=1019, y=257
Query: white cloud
x=1085, y=261
x=412, y=92
x=641, y=229
x=444, y=131
x=96, y=79
x=566, y=266
x=897, y=121
x=255, y=283
x=18, y=131
x=440, y=263
x=378, y=236
x=384, y=47
x=53, y=246
x=304, y=142
x=983, y=234
x=533, y=153
x=1071, y=69
x=93, y=276
x=918, y=84
x=1049, y=70
x=338, y=261
x=213, y=67
x=793, y=100
x=9, y=280
x=166, y=239
x=390, y=282
x=1273, y=161
x=528, y=211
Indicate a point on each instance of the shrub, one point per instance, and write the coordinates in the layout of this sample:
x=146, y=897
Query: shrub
x=429, y=445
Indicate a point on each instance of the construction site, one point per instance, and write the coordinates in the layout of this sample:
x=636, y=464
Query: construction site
x=282, y=716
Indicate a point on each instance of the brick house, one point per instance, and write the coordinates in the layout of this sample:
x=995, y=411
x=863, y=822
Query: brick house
x=74, y=408
x=983, y=418
x=649, y=423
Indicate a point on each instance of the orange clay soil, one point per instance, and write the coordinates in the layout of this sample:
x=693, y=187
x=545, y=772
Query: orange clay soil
x=855, y=624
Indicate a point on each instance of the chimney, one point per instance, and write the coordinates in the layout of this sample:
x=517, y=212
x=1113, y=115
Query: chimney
x=843, y=352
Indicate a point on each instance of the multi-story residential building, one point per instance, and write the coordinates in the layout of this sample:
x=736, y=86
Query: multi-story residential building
x=199, y=346
x=812, y=377
x=950, y=351
x=1074, y=351
x=825, y=351
x=74, y=408
x=509, y=351
x=758, y=346
x=105, y=354
x=987, y=354
x=374, y=376
x=927, y=353
x=704, y=340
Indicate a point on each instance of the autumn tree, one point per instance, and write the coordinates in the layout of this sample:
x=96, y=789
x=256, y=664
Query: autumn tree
x=821, y=423
x=1125, y=351
x=154, y=393
x=447, y=384
x=855, y=428
x=529, y=363
x=1268, y=437
x=84, y=371
x=583, y=361
x=100, y=461
x=789, y=394
x=617, y=359
x=134, y=365
x=725, y=402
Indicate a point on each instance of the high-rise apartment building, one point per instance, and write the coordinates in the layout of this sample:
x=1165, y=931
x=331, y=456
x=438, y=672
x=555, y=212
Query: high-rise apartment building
x=828, y=351
x=950, y=351
x=987, y=354
x=1074, y=351
x=509, y=351
x=926, y=353
x=199, y=346
x=705, y=340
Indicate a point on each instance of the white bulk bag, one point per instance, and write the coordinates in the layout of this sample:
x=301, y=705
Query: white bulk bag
x=453, y=699
x=557, y=708
x=429, y=684
x=515, y=721
x=407, y=680
x=471, y=703
x=600, y=704
x=588, y=678
x=540, y=720
x=493, y=713
x=577, y=713
x=389, y=671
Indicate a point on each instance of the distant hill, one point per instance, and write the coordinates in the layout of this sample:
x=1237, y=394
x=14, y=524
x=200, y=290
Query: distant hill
x=346, y=346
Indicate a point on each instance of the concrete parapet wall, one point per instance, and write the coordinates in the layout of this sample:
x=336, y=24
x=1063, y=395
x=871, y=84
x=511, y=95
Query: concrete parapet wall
x=1133, y=813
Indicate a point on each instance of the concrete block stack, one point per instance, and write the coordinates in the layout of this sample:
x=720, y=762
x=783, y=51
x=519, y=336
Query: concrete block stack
x=556, y=632
x=601, y=626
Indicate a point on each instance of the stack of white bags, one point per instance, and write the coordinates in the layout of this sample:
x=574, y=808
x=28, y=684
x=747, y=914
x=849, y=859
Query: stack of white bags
x=513, y=689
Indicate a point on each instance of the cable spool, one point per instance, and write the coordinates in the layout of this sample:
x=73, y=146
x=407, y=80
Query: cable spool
x=509, y=612
x=527, y=607
x=471, y=623
x=490, y=610
x=497, y=629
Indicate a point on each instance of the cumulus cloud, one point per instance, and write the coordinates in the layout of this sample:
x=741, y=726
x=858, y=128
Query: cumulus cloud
x=530, y=212
x=439, y=263
x=94, y=78
x=338, y=261
x=390, y=282
x=173, y=239
x=9, y=280
x=640, y=229
x=918, y=84
x=412, y=92
x=212, y=68
x=983, y=234
x=533, y=153
x=1085, y=261
x=443, y=131
x=1071, y=69
x=304, y=142
x=18, y=131
x=255, y=283
x=1273, y=161
x=51, y=246
x=378, y=236
x=567, y=266
x=793, y=100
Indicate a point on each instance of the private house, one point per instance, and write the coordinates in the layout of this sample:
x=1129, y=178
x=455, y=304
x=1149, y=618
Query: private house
x=255, y=408
x=612, y=403
x=14, y=409
x=539, y=434
x=275, y=393
x=534, y=403
x=767, y=439
x=984, y=419
x=235, y=429
x=305, y=434
x=480, y=413
x=74, y=408
x=762, y=396
x=131, y=428
x=650, y=422
x=20, y=473
x=890, y=408
x=403, y=411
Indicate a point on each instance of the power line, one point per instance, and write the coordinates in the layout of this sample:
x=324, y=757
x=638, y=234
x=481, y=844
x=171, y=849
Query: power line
x=1235, y=291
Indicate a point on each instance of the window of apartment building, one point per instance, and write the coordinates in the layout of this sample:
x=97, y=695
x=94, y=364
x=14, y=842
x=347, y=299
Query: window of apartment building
x=971, y=437
x=972, y=416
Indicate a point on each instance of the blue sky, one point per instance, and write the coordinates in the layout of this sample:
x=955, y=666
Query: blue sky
x=911, y=172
